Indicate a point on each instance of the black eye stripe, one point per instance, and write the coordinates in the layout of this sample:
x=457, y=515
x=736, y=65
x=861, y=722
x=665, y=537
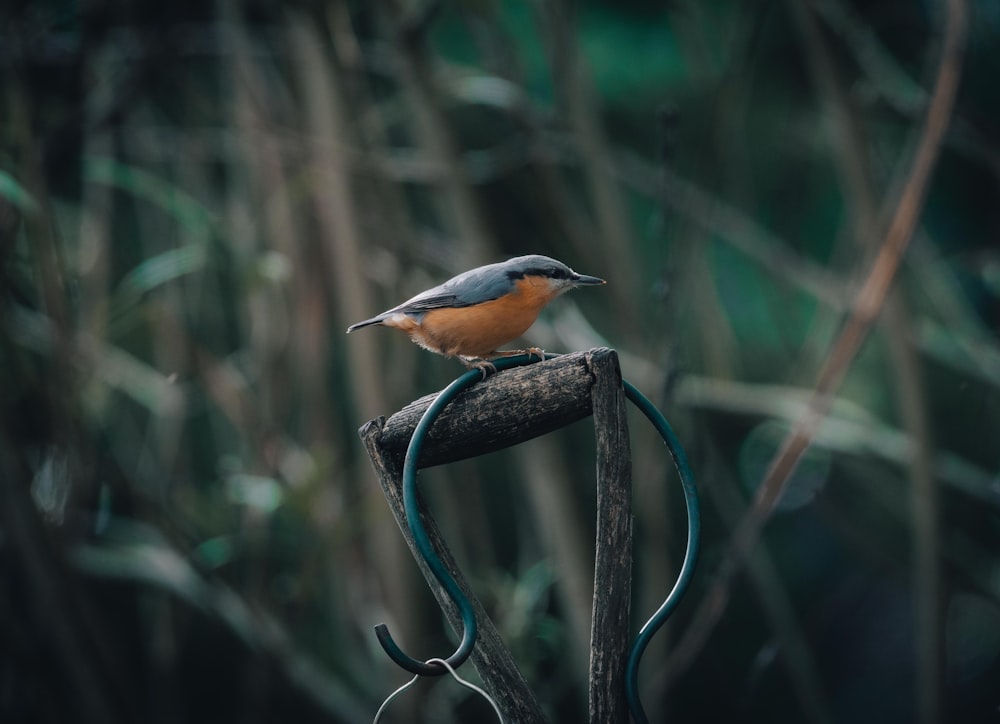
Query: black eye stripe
x=551, y=272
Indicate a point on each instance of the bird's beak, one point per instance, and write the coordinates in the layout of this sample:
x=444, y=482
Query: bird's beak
x=583, y=279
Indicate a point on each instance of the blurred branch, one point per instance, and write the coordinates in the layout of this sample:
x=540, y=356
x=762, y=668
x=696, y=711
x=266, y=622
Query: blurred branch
x=84, y=658
x=460, y=208
x=336, y=212
x=977, y=358
x=580, y=111
x=924, y=502
x=790, y=640
x=146, y=560
x=866, y=308
x=848, y=429
x=342, y=245
x=853, y=165
x=882, y=70
x=962, y=340
x=888, y=79
x=547, y=487
x=90, y=355
x=735, y=227
x=403, y=165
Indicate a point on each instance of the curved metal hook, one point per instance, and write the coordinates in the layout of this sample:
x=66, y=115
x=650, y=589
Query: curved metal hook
x=657, y=620
x=458, y=597
x=422, y=542
x=426, y=550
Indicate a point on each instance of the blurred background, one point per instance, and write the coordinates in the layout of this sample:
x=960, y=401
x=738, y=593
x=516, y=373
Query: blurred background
x=196, y=199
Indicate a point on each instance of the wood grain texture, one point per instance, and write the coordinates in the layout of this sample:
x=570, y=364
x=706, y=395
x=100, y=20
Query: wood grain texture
x=505, y=409
x=491, y=657
x=609, y=638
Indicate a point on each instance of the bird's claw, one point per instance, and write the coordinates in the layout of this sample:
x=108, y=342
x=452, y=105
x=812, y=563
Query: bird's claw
x=488, y=368
x=484, y=366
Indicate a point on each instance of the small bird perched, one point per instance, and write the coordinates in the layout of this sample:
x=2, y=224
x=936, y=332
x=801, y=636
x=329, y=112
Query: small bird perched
x=471, y=315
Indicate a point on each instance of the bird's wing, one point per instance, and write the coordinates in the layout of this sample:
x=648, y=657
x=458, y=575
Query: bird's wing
x=426, y=301
x=435, y=298
x=475, y=286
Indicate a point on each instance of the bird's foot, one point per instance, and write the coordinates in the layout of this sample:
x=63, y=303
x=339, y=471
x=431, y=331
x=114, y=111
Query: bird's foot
x=531, y=352
x=483, y=365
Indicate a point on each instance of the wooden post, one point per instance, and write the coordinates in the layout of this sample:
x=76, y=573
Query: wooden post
x=609, y=637
x=491, y=657
x=508, y=408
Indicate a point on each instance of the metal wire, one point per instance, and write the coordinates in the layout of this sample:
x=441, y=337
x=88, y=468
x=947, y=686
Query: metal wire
x=459, y=679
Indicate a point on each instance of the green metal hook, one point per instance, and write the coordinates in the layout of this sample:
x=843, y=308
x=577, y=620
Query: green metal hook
x=470, y=628
x=661, y=615
x=422, y=542
x=458, y=597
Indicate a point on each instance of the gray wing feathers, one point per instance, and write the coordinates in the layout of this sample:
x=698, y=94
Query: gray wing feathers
x=472, y=287
x=467, y=289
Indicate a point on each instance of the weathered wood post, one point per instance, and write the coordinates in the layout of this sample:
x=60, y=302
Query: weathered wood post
x=503, y=410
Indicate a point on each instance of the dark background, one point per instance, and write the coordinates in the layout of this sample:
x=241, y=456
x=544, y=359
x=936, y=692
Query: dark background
x=197, y=198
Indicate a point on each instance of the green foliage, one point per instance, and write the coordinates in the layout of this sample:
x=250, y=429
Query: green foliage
x=15, y=193
x=195, y=202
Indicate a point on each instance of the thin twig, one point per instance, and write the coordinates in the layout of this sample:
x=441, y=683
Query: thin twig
x=866, y=309
x=853, y=164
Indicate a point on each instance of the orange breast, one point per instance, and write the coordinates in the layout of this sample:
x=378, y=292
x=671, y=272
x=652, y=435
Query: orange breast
x=479, y=330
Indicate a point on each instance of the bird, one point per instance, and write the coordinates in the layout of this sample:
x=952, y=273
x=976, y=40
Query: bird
x=471, y=315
